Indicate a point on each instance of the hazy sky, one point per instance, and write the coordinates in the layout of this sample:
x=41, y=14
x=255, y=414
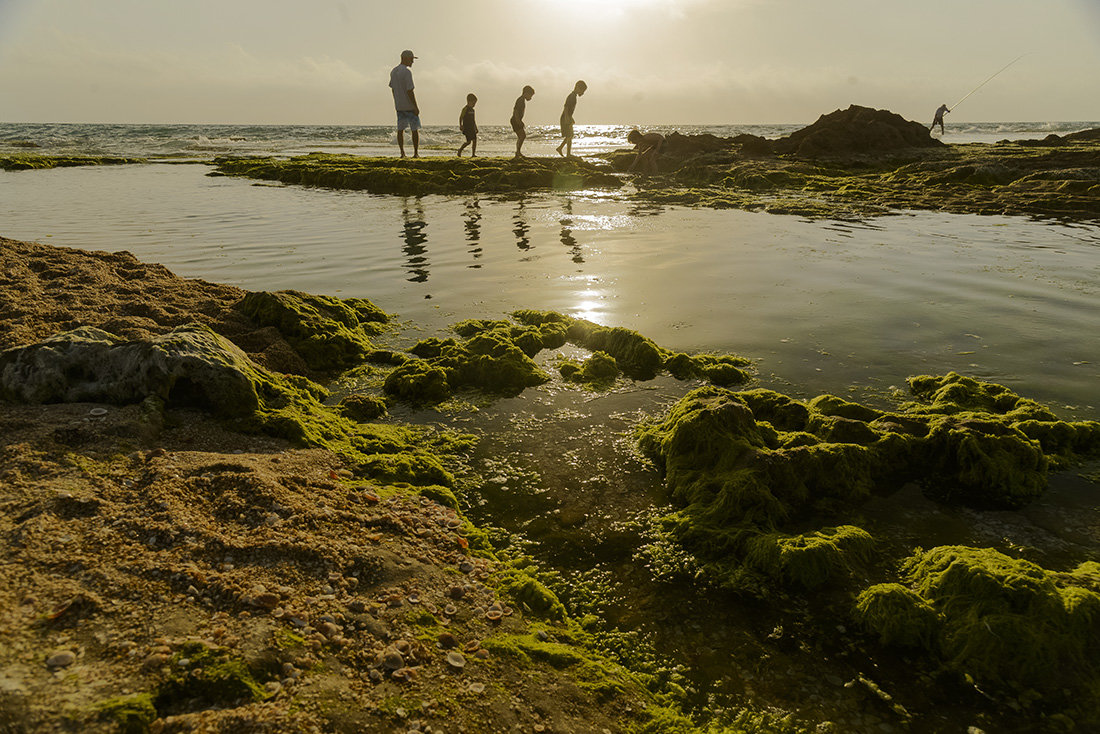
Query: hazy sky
x=645, y=61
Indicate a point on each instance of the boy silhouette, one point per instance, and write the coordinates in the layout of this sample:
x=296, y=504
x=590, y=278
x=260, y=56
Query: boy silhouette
x=567, y=118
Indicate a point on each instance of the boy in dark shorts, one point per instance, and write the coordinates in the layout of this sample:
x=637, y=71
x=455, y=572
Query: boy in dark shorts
x=468, y=126
x=517, y=118
x=567, y=119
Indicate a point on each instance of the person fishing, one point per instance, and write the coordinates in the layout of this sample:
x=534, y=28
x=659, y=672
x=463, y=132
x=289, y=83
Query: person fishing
x=938, y=119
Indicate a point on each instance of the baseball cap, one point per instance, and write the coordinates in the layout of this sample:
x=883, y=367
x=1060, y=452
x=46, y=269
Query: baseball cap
x=407, y=52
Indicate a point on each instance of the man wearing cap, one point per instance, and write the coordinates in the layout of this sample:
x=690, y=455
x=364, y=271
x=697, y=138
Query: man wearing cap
x=408, y=112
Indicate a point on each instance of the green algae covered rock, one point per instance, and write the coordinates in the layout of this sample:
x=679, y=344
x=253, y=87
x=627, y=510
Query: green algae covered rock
x=329, y=333
x=599, y=370
x=810, y=559
x=132, y=714
x=39, y=162
x=489, y=359
x=1001, y=620
x=433, y=175
x=638, y=356
x=192, y=367
x=745, y=467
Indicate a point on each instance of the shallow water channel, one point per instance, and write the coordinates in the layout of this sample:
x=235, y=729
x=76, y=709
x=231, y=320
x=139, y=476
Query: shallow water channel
x=850, y=308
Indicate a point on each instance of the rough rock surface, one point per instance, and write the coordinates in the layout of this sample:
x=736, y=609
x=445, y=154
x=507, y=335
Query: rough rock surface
x=856, y=130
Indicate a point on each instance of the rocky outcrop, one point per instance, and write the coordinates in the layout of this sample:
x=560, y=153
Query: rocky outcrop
x=856, y=130
x=190, y=365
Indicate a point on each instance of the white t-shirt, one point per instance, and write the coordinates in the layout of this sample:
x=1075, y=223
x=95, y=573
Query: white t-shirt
x=401, y=81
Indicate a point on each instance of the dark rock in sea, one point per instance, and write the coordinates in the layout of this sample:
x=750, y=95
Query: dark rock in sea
x=856, y=130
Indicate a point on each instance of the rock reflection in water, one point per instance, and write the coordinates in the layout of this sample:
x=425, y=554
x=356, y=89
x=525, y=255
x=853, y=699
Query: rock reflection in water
x=413, y=235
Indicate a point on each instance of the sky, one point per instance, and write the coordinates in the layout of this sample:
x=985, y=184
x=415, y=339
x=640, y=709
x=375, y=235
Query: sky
x=645, y=61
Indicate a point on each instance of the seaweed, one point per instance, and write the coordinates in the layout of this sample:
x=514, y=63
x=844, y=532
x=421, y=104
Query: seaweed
x=435, y=175
x=744, y=468
x=329, y=333
x=1001, y=620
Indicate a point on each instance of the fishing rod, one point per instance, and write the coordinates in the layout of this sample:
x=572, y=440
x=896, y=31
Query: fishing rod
x=1010, y=63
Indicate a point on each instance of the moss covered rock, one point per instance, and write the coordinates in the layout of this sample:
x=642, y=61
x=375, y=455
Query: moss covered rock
x=435, y=175
x=1004, y=621
x=745, y=467
x=329, y=333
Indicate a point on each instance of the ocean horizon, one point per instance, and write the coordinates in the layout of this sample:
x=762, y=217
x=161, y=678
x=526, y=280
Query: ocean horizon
x=169, y=141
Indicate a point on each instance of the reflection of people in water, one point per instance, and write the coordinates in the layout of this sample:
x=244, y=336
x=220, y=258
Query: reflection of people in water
x=938, y=119
x=567, y=237
x=647, y=146
x=473, y=229
x=413, y=234
x=521, y=229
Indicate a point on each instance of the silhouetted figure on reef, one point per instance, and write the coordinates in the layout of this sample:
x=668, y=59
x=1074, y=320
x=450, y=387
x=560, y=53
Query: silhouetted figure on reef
x=647, y=145
x=517, y=118
x=567, y=118
x=468, y=126
x=404, y=101
x=938, y=119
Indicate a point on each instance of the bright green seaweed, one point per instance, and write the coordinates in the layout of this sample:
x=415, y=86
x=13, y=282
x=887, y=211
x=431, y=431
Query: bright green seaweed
x=745, y=467
x=1004, y=621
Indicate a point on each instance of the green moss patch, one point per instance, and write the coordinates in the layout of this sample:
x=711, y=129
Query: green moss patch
x=329, y=333
x=745, y=468
x=208, y=677
x=131, y=714
x=435, y=175
x=38, y=162
x=1001, y=620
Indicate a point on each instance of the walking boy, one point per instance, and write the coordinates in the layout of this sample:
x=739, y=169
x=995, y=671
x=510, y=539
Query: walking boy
x=567, y=119
x=517, y=118
x=468, y=126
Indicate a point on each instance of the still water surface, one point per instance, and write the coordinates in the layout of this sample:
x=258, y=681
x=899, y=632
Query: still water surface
x=823, y=306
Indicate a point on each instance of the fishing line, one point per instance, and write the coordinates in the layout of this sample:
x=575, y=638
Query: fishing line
x=1010, y=63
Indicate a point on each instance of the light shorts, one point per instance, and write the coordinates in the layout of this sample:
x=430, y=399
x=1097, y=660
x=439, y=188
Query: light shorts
x=408, y=119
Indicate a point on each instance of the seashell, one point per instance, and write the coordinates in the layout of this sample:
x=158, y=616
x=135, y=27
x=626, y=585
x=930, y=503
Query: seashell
x=446, y=640
x=450, y=610
x=456, y=592
x=454, y=523
x=391, y=658
x=465, y=567
x=405, y=674
x=413, y=598
x=482, y=653
x=472, y=646
x=455, y=660
x=507, y=611
x=375, y=675
x=403, y=646
x=494, y=615
x=476, y=687
x=97, y=412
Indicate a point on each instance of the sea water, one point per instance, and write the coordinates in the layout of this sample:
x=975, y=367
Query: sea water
x=205, y=142
x=846, y=307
